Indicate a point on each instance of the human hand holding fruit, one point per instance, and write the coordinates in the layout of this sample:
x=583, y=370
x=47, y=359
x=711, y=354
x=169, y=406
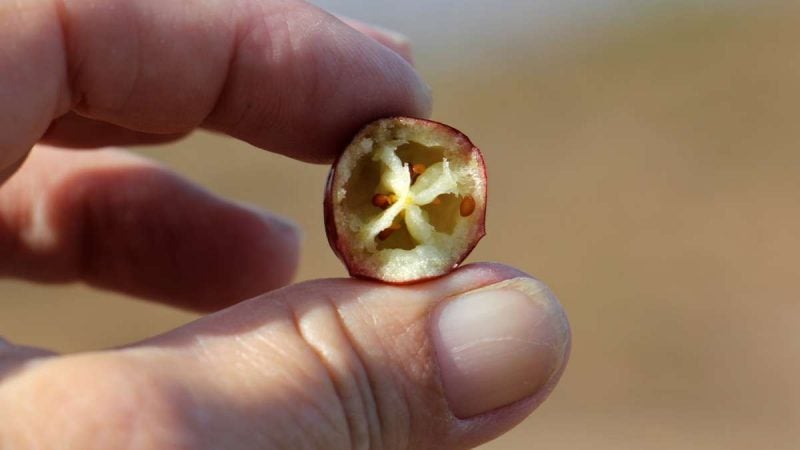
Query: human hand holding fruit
x=448, y=363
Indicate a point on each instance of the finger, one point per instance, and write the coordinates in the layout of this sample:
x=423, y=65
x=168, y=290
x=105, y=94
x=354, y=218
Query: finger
x=121, y=222
x=330, y=364
x=72, y=130
x=281, y=75
x=352, y=364
x=393, y=40
x=75, y=131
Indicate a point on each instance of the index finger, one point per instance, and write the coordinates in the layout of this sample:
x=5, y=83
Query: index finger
x=282, y=75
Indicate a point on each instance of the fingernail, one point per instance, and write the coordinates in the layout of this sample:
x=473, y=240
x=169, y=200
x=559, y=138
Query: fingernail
x=278, y=223
x=401, y=45
x=395, y=37
x=499, y=344
x=285, y=225
x=391, y=38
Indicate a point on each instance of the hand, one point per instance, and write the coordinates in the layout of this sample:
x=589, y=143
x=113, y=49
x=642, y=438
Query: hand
x=327, y=364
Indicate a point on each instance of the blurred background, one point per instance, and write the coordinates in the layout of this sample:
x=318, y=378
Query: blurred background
x=644, y=161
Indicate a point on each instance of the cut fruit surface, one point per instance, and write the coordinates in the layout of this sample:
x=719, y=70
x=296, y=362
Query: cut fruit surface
x=406, y=200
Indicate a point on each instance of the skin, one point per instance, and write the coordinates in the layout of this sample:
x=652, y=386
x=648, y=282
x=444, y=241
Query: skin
x=281, y=75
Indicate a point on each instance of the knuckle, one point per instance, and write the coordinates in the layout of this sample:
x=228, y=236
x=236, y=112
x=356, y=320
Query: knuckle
x=381, y=366
x=359, y=393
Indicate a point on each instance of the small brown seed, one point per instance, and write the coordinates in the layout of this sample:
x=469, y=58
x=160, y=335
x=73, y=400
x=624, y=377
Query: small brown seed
x=416, y=170
x=467, y=206
x=385, y=233
x=381, y=201
x=437, y=201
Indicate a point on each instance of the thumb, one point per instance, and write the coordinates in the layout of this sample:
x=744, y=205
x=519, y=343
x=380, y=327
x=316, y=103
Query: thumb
x=328, y=364
x=351, y=364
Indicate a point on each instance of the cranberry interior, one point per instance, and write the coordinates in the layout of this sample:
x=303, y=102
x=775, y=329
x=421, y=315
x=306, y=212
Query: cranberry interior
x=408, y=199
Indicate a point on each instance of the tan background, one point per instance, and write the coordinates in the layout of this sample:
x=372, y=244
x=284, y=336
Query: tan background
x=647, y=168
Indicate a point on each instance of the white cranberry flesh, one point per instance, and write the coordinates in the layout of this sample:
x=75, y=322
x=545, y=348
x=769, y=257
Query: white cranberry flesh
x=406, y=200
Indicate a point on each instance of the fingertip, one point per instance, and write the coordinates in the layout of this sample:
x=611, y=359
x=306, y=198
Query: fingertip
x=278, y=243
x=498, y=344
x=122, y=222
x=304, y=94
x=196, y=250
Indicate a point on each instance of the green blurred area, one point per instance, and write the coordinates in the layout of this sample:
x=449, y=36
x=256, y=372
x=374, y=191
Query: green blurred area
x=648, y=170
